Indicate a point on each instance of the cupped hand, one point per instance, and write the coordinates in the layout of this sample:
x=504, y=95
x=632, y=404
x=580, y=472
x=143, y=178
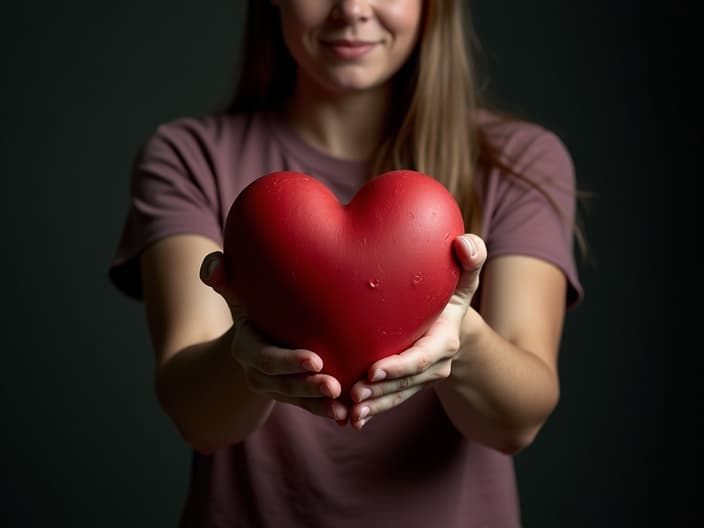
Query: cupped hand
x=286, y=375
x=394, y=379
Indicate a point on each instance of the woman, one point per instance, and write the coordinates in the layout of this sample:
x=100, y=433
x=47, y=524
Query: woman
x=344, y=90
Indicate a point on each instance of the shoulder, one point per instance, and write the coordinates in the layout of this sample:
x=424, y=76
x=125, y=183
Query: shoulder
x=206, y=131
x=526, y=147
x=529, y=192
x=202, y=145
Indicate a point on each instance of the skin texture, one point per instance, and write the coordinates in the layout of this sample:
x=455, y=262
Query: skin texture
x=495, y=373
x=339, y=104
x=340, y=57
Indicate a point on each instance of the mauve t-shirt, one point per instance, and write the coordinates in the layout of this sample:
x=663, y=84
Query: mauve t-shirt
x=408, y=467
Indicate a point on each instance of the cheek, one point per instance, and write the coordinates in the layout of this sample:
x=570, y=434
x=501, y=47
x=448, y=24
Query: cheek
x=404, y=12
x=295, y=33
x=303, y=14
x=402, y=19
x=300, y=21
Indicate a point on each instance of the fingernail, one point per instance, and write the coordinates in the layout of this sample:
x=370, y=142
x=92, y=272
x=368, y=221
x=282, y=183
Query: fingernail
x=339, y=412
x=325, y=391
x=364, y=411
x=364, y=394
x=361, y=423
x=210, y=267
x=378, y=375
x=471, y=246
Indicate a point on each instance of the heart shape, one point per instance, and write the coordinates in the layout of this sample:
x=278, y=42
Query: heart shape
x=353, y=283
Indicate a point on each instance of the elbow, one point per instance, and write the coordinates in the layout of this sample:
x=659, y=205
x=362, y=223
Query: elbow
x=506, y=440
x=200, y=448
x=169, y=407
x=193, y=440
x=517, y=442
x=520, y=438
x=195, y=444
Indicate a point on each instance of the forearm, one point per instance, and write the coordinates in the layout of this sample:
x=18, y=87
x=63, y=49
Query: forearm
x=203, y=390
x=497, y=393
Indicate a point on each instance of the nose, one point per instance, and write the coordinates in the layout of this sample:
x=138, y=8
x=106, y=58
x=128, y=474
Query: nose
x=351, y=10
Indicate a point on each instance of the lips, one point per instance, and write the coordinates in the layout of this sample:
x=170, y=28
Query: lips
x=348, y=49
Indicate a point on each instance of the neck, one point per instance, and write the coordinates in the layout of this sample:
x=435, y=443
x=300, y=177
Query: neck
x=346, y=126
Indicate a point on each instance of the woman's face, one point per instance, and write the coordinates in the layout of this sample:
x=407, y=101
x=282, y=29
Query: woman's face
x=349, y=45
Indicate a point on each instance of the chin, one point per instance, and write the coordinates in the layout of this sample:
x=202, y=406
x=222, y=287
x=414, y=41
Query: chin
x=357, y=84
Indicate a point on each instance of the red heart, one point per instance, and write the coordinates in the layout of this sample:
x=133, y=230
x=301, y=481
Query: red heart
x=354, y=283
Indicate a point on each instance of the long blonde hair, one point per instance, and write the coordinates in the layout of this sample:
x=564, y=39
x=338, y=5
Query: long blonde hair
x=432, y=126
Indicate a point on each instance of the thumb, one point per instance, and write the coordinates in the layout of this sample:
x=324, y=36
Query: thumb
x=213, y=273
x=471, y=252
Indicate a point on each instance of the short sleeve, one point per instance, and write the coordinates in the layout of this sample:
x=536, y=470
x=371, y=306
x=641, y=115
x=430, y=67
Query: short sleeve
x=173, y=191
x=534, y=214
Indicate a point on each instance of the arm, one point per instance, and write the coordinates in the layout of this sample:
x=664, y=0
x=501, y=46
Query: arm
x=498, y=381
x=217, y=381
x=504, y=382
x=197, y=383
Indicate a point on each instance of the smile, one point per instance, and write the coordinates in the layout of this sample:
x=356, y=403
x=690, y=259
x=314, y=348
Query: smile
x=346, y=49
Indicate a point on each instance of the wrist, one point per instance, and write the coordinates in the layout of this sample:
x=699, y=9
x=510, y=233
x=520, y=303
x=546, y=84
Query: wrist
x=473, y=339
x=472, y=330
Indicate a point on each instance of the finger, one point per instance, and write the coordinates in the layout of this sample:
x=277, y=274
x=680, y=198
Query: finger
x=274, y=361
x=251, y=351
x=427, y=351
x=363, y=391
x=295, y=385
x=324, y=407
x=214, y=274
x=361, y=423
x=359, y=414
x=471, y=252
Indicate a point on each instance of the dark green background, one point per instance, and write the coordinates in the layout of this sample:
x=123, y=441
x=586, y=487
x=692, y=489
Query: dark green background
x=83, y=441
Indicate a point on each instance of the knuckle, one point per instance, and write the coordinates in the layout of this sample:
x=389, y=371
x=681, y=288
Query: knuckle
x=265, y=364
x=424, y=361
x=443, y=371
x=475, y=285
x=446, y=369
x=437, y=374
x=397, y=399
x=404, y=383
x=453, y=344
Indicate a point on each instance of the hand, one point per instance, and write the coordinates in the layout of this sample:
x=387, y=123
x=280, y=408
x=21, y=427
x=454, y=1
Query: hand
x=394, y=379
x=284, y=375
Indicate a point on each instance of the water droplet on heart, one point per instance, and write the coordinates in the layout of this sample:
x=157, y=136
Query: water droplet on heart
x=374, y=283
x=417, y=278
